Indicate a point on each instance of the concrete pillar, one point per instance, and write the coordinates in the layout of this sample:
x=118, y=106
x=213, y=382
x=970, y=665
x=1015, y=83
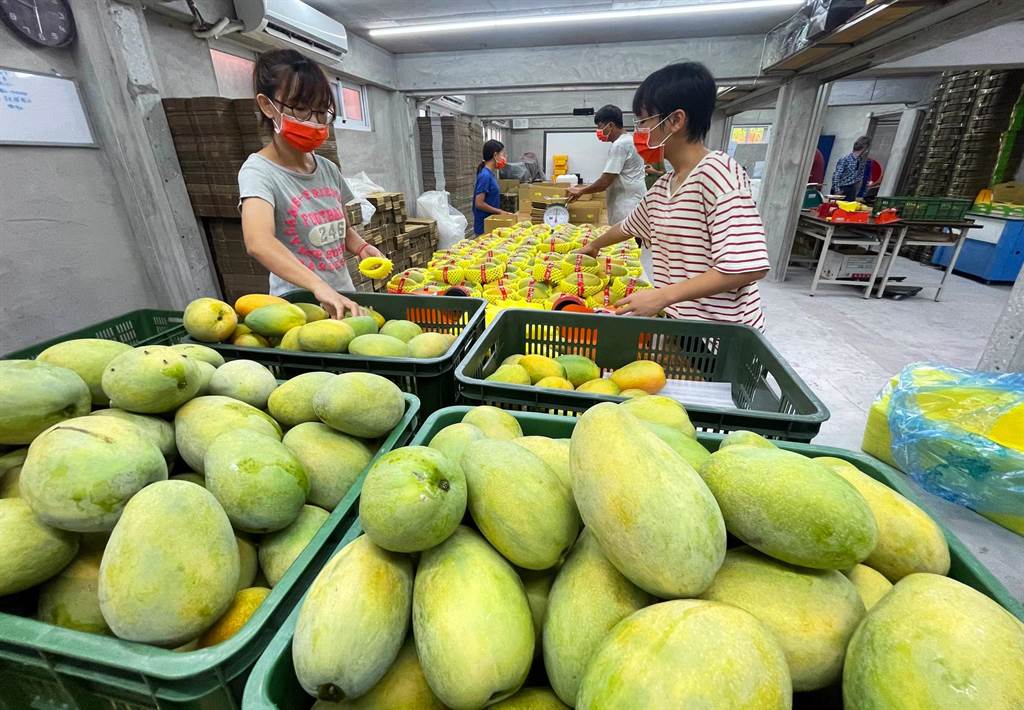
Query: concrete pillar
x=798, y=116
x=1005, y=349
x=901, y=149
x=718, y=134
x=120, y=80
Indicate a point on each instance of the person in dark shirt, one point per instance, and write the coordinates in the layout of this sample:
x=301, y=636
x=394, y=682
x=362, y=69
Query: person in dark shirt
x=850, y=170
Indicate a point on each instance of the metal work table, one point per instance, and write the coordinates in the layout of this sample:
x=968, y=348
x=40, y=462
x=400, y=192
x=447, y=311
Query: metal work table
x=929, y=234
x=900, y=234
x=845, y=233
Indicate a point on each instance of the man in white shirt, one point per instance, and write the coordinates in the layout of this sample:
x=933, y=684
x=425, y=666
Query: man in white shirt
x=623, y=174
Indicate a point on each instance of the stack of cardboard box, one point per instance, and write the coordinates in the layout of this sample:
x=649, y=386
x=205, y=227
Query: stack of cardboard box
x=450, y=150
x=387, y=223
x=212, y=137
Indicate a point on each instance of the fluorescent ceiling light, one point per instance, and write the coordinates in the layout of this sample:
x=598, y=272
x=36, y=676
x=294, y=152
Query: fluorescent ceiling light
x=578, y=17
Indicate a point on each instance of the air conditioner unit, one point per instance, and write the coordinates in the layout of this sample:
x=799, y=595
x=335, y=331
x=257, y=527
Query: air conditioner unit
x=519, y=124
x=295, y=25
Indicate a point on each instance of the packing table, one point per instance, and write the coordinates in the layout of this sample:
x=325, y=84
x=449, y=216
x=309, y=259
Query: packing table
x=929, y=234
x=899, y=234
x=846, y=234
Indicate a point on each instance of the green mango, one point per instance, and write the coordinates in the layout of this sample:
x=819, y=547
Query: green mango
x=933, y=642
x=687, y=653
x=171, y=566
x=471, y=621
x=520, y=505
x=353, y=621
x=650, y=512
x=588, y=598
x=812, y=613
x=791, y=508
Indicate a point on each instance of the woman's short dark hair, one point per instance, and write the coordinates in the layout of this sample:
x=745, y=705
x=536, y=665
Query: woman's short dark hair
x=608, y=113
x=491, y=148
x=291, y=77
x=688, y=86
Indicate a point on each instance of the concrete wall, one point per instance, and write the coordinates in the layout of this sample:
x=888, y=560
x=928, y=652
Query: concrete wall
x=184, y=64
x=996, y=48
x=68, y=256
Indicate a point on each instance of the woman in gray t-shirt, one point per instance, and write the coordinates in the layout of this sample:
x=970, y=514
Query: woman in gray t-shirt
x=292, y=200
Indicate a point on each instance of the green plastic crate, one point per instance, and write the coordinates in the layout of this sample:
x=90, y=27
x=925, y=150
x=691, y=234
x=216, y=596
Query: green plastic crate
x=925, y=209
x=771, y=398
x=432, y=380
x=272, y=683
x=44, y=666
x=143, y=327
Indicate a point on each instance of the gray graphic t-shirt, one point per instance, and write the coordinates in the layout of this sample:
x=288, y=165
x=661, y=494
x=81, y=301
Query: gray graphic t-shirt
x=309, y=215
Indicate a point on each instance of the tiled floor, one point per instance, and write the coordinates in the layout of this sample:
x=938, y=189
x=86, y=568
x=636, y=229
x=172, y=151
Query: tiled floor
x=846, y=347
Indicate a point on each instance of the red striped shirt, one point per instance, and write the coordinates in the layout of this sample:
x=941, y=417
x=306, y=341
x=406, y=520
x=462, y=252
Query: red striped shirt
x=711, y=222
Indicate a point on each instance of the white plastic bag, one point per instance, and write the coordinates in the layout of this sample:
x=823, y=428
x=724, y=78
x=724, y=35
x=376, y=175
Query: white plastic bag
x=451, y=224
x=360, y=185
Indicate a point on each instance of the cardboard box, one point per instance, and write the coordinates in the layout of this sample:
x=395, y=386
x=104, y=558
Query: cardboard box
x=585, y=213
x=498, y=220
x=851, y=264
x=508, y=185
x=528, y=192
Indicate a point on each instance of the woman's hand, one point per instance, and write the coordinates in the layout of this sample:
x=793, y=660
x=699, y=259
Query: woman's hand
x=368, y=251
x=574, y=192
x=590, y=250
x=648, y=302
x=335, y=304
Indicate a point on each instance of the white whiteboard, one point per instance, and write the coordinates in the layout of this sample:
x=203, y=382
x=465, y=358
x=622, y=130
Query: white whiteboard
x=587, y=155
x=37, y=109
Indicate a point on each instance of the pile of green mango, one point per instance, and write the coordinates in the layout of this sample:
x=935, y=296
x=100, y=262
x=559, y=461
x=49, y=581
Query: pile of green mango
x=629, y=567
x=145, y=492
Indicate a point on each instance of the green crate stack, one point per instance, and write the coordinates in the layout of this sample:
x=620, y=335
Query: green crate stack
x=770, y=397
x=925, y=209
x=44, y=666
x=142, y=327
x=432, y=380
x=273, y=685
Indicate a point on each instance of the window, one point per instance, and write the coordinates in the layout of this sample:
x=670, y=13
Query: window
x=494, y=132
x=233, y=73
x=353, y=108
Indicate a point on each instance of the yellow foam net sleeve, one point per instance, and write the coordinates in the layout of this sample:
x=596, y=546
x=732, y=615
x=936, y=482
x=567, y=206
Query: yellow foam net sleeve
x=959, y=433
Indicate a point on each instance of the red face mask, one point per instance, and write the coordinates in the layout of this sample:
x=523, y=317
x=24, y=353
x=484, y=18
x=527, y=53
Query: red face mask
x=500, y=162
x=603, y=137
x=302, y=135
x=641, y=141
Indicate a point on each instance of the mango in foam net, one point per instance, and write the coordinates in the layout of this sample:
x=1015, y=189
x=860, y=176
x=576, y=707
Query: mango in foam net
x=485, y=272
x=548, y=270
x=622, y=287
x=581, y=262
x=581, y=284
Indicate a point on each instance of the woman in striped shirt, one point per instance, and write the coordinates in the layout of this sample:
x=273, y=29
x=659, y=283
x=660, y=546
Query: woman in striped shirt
x=700, y=221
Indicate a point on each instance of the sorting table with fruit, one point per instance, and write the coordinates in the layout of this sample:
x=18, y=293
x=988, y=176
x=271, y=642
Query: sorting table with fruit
x=599, y=565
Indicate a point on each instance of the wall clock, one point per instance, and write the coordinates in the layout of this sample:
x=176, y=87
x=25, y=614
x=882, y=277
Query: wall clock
x=44, y=22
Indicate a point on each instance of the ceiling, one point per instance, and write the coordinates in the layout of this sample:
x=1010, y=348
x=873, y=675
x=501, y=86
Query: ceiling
x=361, y=16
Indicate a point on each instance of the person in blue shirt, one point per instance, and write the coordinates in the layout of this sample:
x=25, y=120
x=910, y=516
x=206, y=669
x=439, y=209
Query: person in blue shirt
x=487, y=194
x=850, y=170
